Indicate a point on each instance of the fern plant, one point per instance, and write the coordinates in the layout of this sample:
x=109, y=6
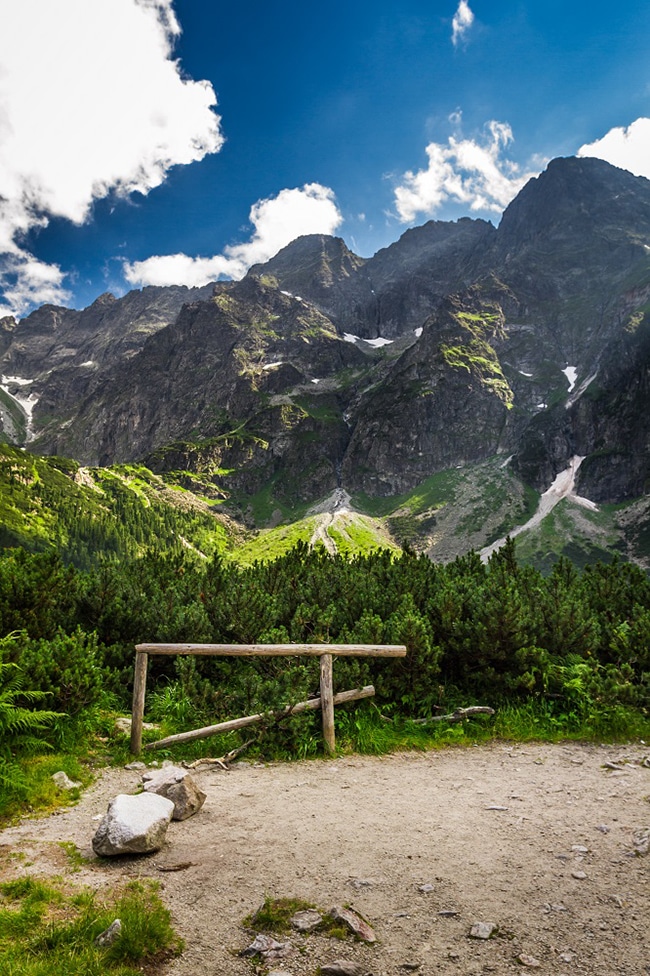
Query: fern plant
x=21, y=726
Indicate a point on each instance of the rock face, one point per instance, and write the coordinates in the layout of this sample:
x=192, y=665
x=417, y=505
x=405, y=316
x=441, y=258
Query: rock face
x=133, y=825
x=178, y=786
x=531, y=339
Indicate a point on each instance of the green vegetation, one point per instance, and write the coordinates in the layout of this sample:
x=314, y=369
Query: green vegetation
x=276, y=913
x=91, y=514
x=436, y=491
x=562, y=654
x=46, y=930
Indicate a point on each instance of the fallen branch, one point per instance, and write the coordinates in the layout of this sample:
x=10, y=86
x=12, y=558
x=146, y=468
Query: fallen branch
x=458, y=716
x=222, y=761
x=240, y=723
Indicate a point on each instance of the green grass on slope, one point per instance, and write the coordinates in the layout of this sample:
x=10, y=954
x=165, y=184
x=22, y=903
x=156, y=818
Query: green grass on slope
x=585, y=537
x=84, y=513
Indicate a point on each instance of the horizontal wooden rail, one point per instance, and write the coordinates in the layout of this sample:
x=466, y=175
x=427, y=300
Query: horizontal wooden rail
x=277, y=650
x=326, y=702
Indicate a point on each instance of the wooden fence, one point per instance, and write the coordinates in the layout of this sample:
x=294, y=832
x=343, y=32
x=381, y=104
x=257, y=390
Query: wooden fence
x=326, y=702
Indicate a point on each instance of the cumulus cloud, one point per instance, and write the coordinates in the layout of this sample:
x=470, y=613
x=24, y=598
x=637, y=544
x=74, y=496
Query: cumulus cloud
x=91, y=102
x=472, y=172
x=628, y=147
x=277, y=221
x=463, y=20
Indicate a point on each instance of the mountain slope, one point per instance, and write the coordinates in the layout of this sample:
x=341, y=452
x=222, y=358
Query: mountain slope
x=322, y=371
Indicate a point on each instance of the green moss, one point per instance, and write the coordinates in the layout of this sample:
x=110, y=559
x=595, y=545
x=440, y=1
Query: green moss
x=434, y=492
x=480, y=360
x=276, y=913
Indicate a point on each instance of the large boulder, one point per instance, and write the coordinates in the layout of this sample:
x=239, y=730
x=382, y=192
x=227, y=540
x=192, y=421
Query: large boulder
x=178, y=786
x=133, y=825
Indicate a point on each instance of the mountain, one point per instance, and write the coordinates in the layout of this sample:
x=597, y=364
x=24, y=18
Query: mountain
x=323, y=374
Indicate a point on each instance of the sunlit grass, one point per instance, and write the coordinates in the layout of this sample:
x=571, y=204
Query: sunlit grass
x=46, y=930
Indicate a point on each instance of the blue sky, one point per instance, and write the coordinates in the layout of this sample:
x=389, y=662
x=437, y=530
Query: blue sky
x=176, y=141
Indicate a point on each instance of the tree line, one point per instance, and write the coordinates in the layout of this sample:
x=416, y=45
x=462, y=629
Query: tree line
x=474, y=632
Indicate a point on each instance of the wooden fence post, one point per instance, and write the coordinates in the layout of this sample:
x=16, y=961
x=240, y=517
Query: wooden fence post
x=137, y=714
x=327, y=702
x=327, y=699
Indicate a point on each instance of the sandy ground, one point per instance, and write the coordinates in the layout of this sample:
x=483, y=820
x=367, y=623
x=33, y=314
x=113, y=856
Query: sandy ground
x=492, y=833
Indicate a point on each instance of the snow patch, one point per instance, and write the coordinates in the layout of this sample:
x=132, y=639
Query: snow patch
x=348, y=337
x=525, y=374
x=315, y=381
x=89, y=362
x=418, y=332
x=580, y=390
x=26, y=402
x=273, y=365
x=571, y=374
x=378, y=343
x=16, y=380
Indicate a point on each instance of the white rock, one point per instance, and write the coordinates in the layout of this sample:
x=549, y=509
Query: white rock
x=178, y=786
x=307, y=920
x=109, y=935
x=63, y=781
x=483, y=930
x=133, y=825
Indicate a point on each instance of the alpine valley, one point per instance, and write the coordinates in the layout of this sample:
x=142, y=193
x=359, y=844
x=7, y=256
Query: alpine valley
x=465, y=383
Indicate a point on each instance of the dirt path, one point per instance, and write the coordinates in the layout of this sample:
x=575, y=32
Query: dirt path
x=495, y=833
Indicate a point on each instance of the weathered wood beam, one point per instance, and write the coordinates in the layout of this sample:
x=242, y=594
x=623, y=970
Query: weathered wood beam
x=239, y=723
x=327, y=702
x=137, y=713
x=277, y=650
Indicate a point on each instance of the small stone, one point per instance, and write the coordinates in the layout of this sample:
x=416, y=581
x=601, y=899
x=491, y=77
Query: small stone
x=343, y=967
x=265, y=945
x=603, y=828
x=136, y=764
x=63, y=781
x=426, y=889
x=568, y=956
x=579, y=849
x=483, y=930
x=448, y=913
x=354, y=922
x=410, y=967
x=618, y=901
x=123, y=725
x=495, y=807
x=109, y=935
x=307, y=920
x=642, y=842
x=526, y=960
x=578, y=875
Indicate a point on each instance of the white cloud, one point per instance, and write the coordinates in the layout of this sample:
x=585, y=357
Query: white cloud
x=463, y=20
x=277, y=221
x=91, y=101
x=467, y=171
x=628, y=147
x=26, y=282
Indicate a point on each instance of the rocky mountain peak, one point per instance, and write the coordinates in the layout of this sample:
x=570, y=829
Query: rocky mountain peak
x=577, y=195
